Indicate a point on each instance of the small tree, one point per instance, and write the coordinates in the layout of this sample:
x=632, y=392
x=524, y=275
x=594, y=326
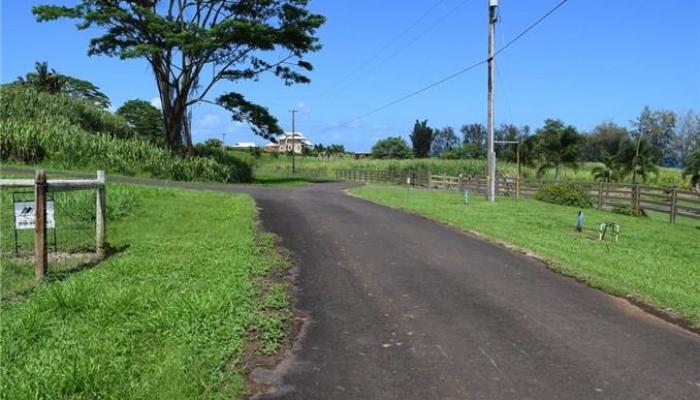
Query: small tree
x=692, y=168
x=475, y=135
x=443, y=140
x=637, y=159
x=421, y=138
x=391, y=147
x=557, y=145
x=608, y=172
x=144, y=120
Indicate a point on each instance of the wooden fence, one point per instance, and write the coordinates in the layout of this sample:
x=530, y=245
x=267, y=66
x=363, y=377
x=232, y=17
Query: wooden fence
x=672, y=201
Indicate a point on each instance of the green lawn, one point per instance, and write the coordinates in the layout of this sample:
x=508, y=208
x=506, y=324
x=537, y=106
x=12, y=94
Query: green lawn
x=654, y=261
x=169, y=316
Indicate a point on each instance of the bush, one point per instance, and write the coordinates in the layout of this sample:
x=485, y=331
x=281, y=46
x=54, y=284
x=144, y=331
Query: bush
x=36, y=127
x=563, y=193
x=631, y=212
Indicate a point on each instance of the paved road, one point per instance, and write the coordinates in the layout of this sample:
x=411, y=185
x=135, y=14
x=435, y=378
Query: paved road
x=404, y=308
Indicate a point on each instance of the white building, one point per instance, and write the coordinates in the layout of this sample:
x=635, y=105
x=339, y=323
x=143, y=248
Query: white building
x=244, y=145
x=289, y=142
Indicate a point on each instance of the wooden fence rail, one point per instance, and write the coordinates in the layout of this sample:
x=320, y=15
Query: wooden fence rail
x=672, y=201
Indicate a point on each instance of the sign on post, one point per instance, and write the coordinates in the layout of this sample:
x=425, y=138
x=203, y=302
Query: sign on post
x=25, y=215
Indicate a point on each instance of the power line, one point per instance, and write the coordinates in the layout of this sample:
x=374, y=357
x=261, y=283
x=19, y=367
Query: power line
x=455, y=74
x=415, y=38
x=388, y=45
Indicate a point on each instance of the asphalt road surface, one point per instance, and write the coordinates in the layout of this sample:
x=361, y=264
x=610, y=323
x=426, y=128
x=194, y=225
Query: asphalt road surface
x=401, y=307
x=404, y=308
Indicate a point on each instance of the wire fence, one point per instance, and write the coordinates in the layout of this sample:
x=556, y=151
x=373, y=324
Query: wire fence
x=58, y=234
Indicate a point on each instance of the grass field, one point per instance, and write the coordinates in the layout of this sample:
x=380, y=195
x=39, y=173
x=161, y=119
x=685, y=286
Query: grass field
x=168, y=316
x=654, y=261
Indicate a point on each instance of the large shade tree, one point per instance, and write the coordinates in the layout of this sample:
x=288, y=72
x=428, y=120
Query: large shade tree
x=192, y=45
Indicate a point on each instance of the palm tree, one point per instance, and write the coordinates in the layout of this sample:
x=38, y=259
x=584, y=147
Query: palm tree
x=43, y=79
x=636, y=159
x=557, y=146
x=608, y=172
x=692, y=168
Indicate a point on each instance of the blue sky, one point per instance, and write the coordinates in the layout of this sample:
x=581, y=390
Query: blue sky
x=591, y=61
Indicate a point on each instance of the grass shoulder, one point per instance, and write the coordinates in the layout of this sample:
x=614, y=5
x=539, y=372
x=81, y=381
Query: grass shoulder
x=654, y=262
x=169, y=316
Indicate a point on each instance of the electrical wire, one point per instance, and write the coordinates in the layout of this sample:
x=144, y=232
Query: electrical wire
x=455, y=74
x=386, y=47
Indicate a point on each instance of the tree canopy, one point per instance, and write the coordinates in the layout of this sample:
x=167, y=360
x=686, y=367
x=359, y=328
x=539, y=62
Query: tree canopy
x=391, y=147
x=144, y=120
x=443, y=140
x=557, y=145
x=48, y=80
x=193, y=45
x=421, y=138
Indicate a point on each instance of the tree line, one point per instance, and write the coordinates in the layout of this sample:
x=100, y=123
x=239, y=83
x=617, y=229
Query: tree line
x=656, y=138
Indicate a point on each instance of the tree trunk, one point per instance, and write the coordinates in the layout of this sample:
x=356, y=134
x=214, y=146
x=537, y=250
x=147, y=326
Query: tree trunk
x=557, y=172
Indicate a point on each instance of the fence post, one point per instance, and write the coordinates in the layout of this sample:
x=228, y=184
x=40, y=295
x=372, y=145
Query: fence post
x=461, y=183
x=674, y=202
x=600, y=195
x=100, y=215
x=40, y=256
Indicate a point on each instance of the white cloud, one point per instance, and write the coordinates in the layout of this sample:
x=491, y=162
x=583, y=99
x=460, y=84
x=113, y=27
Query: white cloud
x=155, y=102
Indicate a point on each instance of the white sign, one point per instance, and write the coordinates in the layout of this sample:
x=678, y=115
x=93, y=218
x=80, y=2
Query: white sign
x=25, y=215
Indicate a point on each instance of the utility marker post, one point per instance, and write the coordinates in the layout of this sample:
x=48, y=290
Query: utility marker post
x=100, y=215
x=293, y=145
x=40, y=255
x=490, y=116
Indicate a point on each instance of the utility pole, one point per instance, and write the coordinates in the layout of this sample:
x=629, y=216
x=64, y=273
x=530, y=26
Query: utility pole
x=223, y=142
x=490, y=116
x=293, y=144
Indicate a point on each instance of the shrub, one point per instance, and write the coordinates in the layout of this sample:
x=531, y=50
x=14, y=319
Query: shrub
x=36, y=127
x=564, y=193
x=631, y=212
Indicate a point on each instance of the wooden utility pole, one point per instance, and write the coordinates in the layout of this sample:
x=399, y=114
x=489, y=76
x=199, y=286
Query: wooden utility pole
x=490, y=116
x=40, y=256
x=293, y=144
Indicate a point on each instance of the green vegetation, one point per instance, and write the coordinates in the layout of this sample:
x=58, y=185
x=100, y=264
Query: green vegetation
x=38, y=127
x=239, y=42
x=168, y=316
x=654, y=261
x=563, y=193
x=391, y=147
x=268, y=165
x=75, y=219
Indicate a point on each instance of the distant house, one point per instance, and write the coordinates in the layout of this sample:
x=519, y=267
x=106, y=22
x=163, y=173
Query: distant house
x=289, y=142
x=361, y=154
x=244, y=145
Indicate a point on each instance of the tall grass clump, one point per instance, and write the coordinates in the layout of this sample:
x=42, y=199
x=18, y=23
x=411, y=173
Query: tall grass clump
x=38, y=127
